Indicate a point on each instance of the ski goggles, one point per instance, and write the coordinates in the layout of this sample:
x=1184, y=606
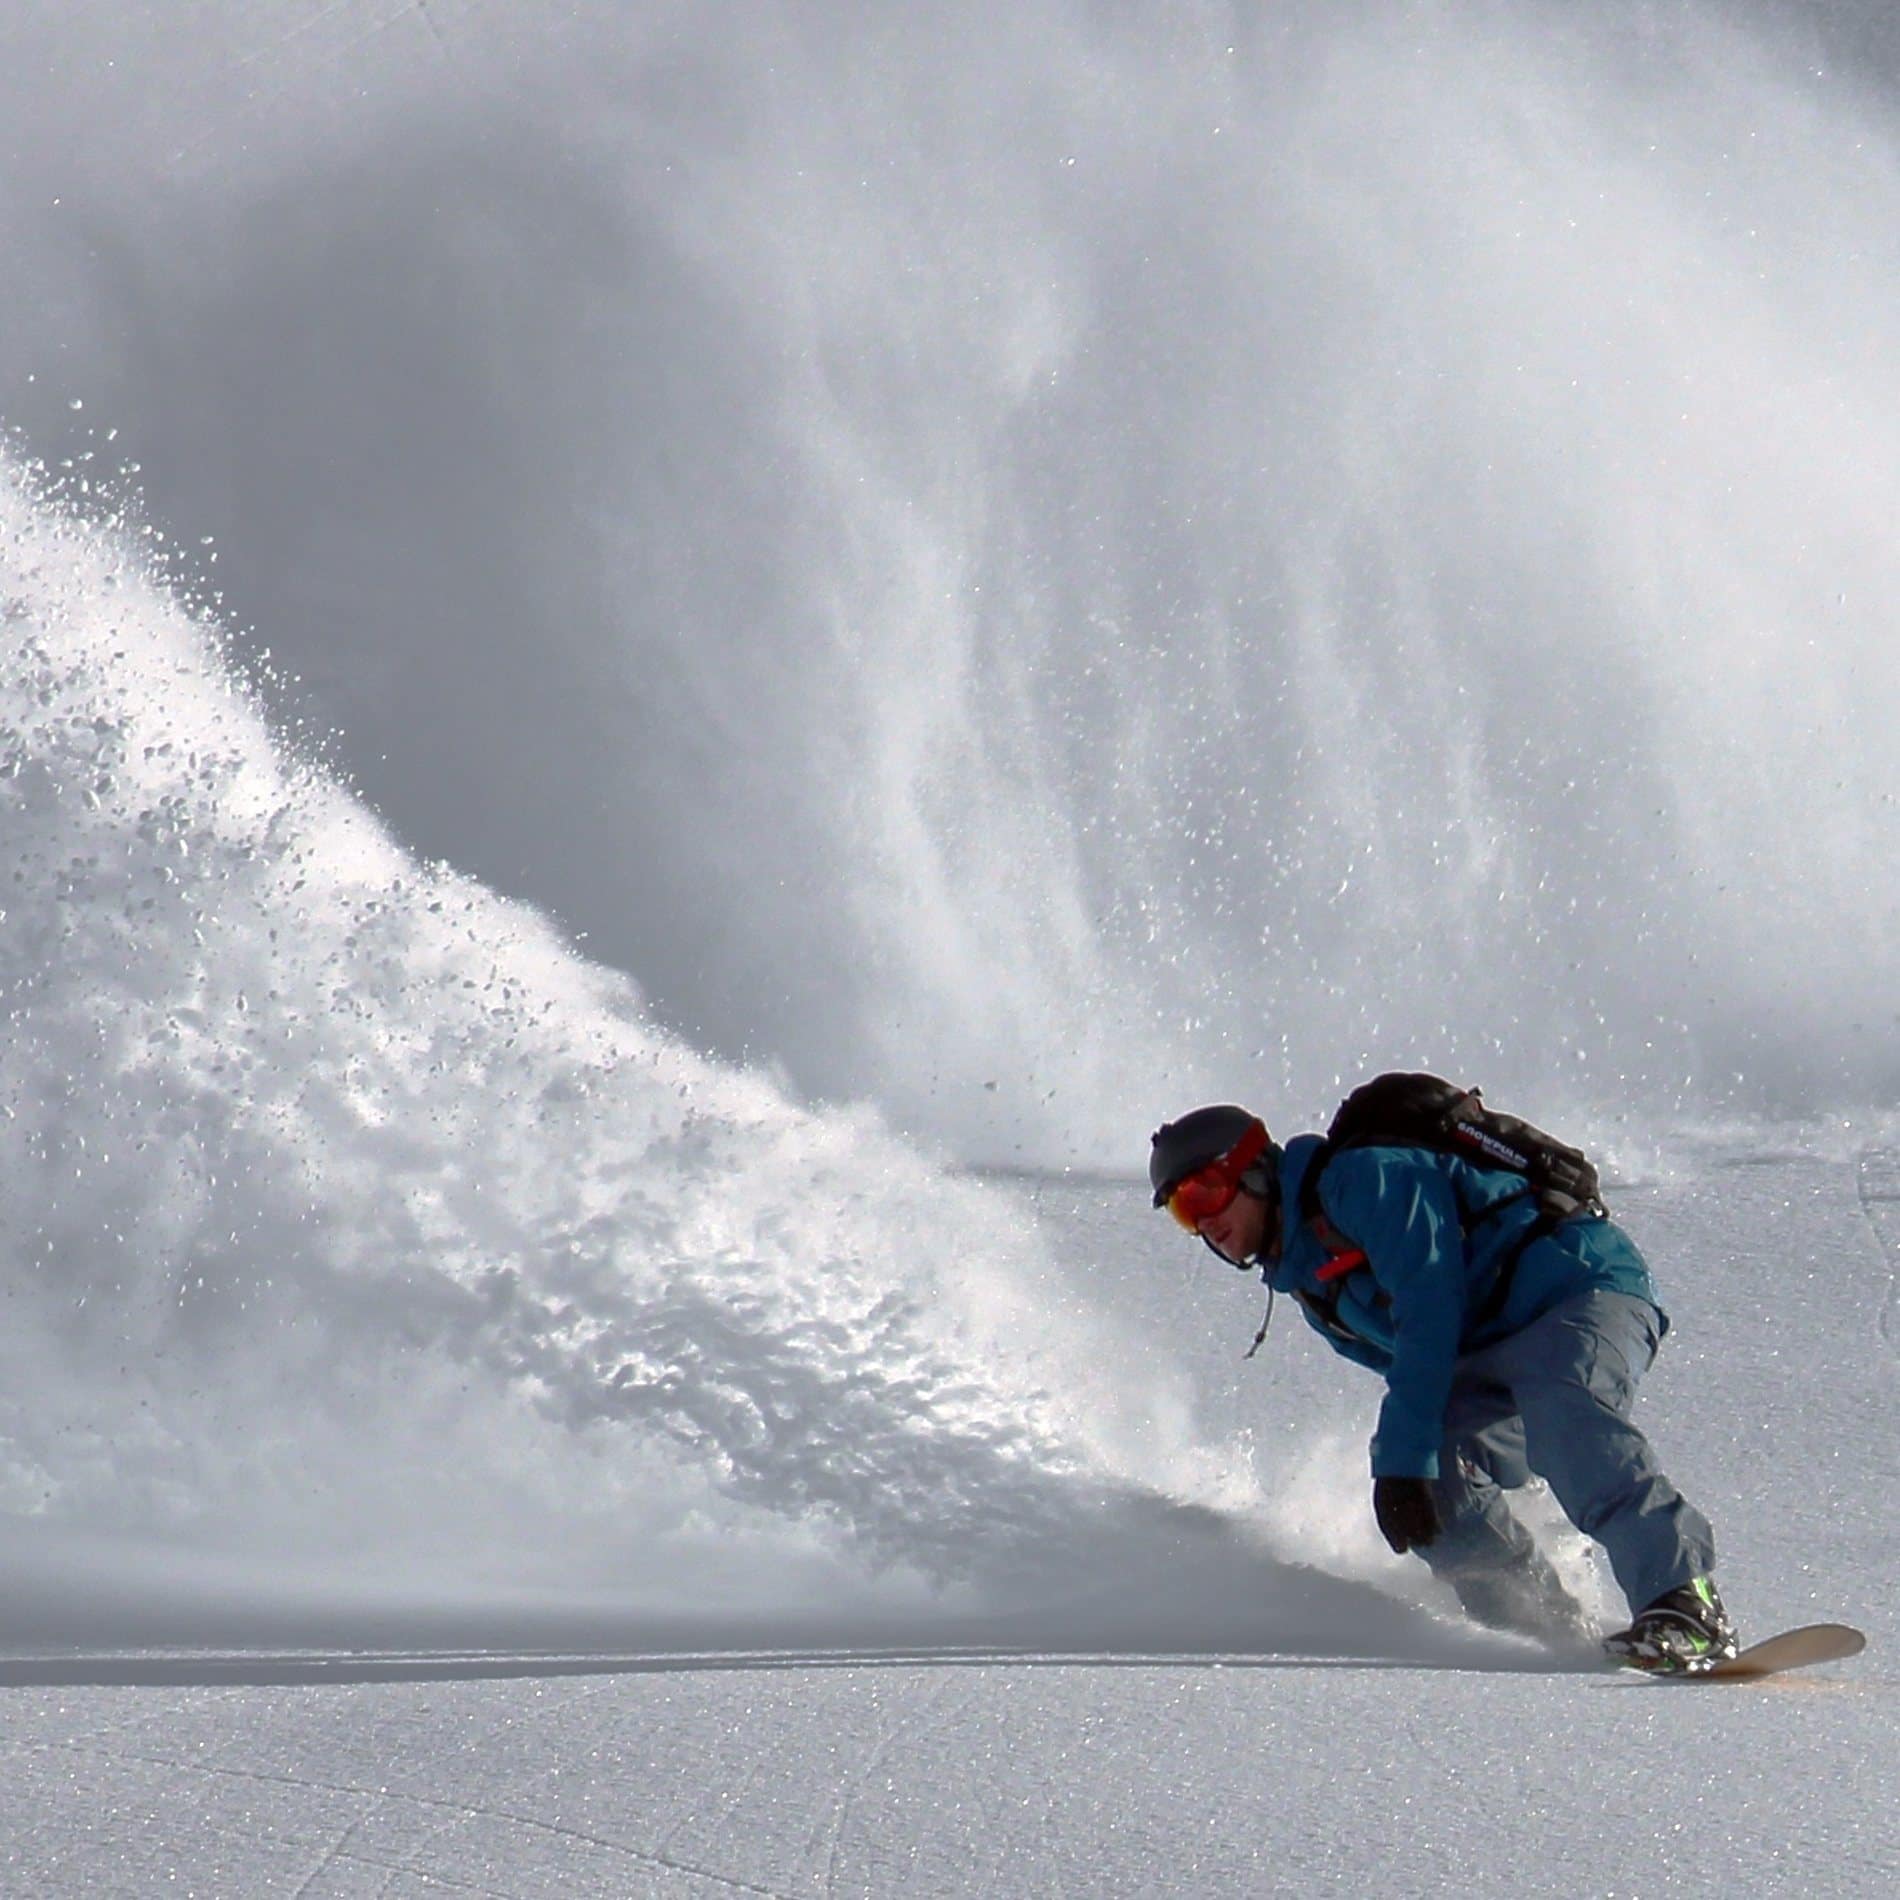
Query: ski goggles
x=1210, y=1190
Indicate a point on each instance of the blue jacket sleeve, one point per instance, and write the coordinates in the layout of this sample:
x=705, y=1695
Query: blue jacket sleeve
x=1357, y=1350
x=1401, y=1210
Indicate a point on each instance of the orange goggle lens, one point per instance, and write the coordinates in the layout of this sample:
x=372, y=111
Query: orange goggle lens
x=1201, y=1196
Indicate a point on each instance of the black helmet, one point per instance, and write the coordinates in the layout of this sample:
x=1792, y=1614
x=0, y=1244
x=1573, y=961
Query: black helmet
x=1199, y=1138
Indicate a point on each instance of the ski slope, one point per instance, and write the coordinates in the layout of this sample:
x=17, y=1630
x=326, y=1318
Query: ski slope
x=1383, y=1751
x=665, y=672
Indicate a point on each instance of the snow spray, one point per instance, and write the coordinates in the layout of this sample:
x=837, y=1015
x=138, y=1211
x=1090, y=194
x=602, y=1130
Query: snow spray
x=343, y=1204
x=1106, y=561
x=1018, y=579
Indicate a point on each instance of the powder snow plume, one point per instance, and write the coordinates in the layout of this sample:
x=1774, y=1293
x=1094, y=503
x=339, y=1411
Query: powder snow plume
x=346, y=1210
x=1065, y=576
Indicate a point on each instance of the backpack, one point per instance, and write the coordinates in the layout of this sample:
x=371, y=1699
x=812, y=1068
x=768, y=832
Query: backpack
x=1424, y=1111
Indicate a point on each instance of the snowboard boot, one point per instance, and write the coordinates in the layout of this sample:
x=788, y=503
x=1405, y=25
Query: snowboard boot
x=1684, y=1633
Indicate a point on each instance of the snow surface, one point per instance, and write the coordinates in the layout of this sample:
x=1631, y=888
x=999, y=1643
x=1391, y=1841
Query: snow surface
x=1340, y=1744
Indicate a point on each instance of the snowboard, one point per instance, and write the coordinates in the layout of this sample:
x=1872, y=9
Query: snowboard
x=1792, y=1649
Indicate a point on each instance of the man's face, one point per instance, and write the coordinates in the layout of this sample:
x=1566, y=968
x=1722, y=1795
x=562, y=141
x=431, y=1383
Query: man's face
x=1239, y=1230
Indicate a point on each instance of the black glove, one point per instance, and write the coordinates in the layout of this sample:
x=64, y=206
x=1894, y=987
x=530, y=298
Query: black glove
x=1407, y=1512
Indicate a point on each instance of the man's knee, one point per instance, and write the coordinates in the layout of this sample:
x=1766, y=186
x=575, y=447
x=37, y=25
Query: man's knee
x=1477, y=1528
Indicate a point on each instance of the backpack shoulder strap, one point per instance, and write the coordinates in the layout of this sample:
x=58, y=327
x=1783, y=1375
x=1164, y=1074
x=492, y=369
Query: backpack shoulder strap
x=1309, y=1204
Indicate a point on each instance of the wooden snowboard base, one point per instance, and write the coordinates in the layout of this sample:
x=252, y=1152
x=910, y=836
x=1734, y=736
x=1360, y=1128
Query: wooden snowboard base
x=1792, y=1649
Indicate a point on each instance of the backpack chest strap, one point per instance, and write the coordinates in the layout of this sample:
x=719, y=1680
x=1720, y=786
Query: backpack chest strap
x=1341, y=1264
x=1342, y=1257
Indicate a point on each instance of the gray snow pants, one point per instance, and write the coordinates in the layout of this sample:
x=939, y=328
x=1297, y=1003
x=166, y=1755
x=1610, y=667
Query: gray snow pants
x=1553, y=1401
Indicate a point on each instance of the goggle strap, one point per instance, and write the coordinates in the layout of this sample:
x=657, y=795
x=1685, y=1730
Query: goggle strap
x=1246, y=1151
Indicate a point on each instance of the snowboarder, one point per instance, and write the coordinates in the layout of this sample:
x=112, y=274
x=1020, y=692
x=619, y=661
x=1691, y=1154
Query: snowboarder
x=1510, y=1344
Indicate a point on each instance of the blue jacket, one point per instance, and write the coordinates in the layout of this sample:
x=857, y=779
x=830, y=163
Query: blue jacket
x=1413, y=1308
